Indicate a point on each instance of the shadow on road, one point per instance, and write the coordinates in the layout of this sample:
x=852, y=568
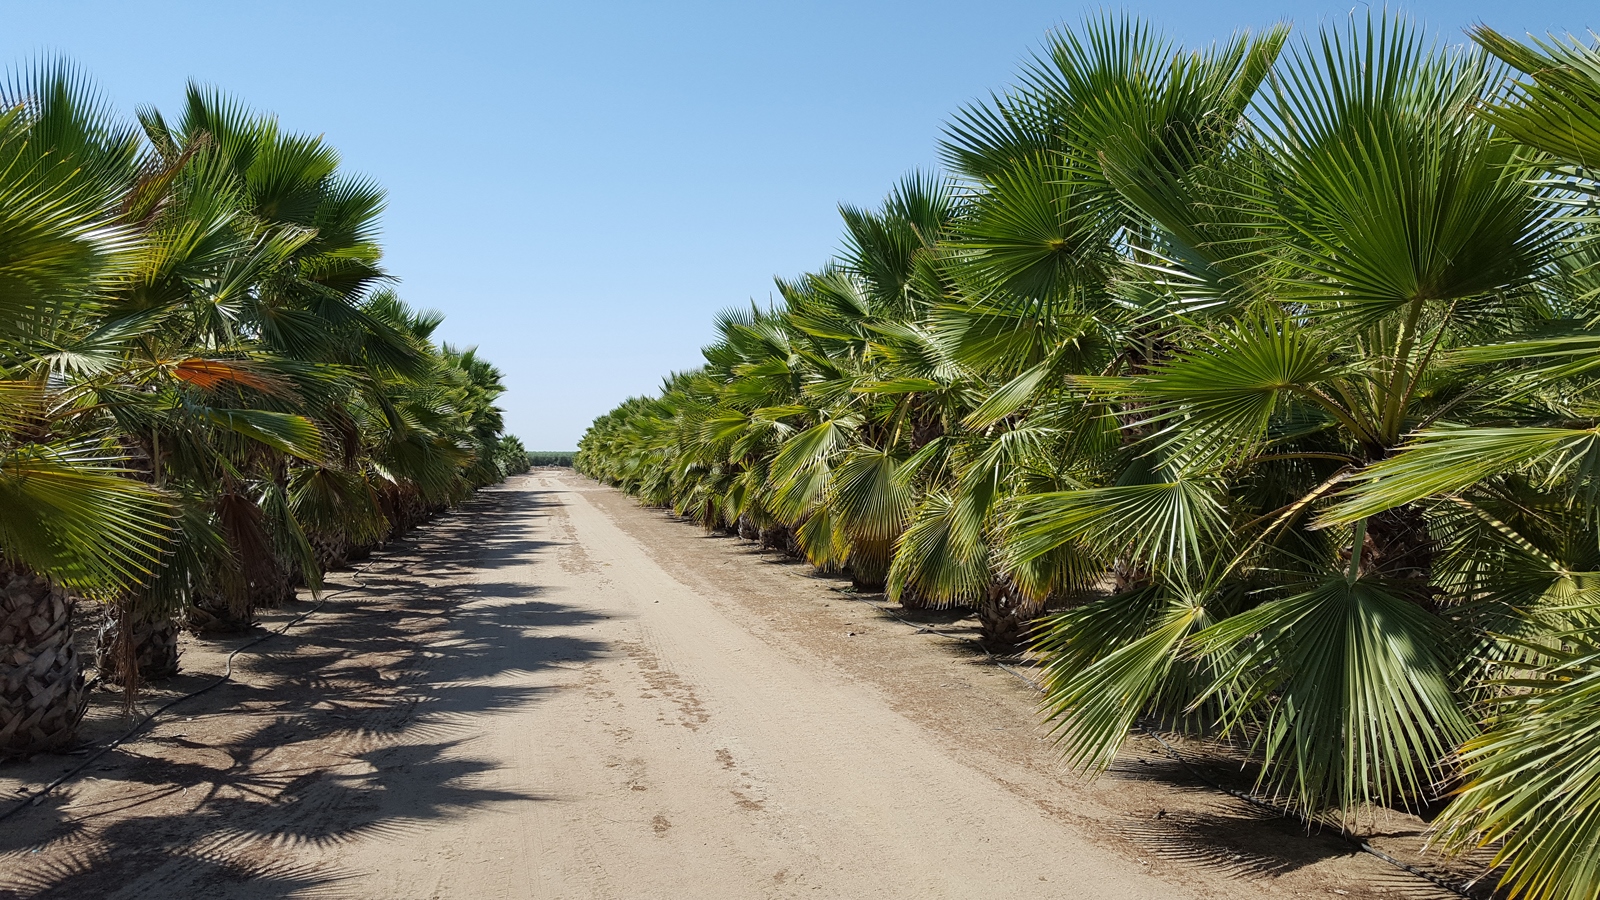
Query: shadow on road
x=356, y=722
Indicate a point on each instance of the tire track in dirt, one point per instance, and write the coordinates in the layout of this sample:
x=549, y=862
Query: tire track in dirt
x=556, y=694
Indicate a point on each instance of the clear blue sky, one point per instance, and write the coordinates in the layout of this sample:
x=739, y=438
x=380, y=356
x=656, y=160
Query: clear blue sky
x=579, y=186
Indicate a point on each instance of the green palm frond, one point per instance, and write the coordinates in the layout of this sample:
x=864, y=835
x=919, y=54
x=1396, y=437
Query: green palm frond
x=72, y=512
x=872, y=500
x=1389, y=181
x=801, y=470
x=1447, y=460
x=1352, y=680
x=1114, y=660
x=64, y=165
x=1225, y=392
x=288, y=433
x=1162, y=524
x=1033, y=232
x=1532, y=784
x=1558, y=110
x=942, y=555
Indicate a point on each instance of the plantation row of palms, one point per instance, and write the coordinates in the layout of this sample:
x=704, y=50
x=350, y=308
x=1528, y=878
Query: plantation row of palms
x=1253, y=385
x=208, y=394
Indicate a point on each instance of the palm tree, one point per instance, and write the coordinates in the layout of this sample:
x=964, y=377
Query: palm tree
x=1529, y=786
x=202, y=374
x=1037, y=261
x=1271, y=367
x=1373, y=222
x=72, y=519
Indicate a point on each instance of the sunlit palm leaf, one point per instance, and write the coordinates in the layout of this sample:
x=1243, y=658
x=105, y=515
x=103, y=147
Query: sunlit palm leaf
x=1532, y=785
x=1558, y=110
x=1107, y=662
x=1391, y=184
x=288, y=433
x=873, y=503
x=1161, y=524
x=1227, y=390
x=1353, y=681
x=72, y=513
x=1449, y=460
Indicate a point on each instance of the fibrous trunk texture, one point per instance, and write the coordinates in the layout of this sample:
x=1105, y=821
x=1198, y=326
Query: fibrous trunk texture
x=273, y=586
x=1004, y=617
x=1398, y=545
x=42, y=695
x=781, y=539
x=152, y=645
x=409, y=511
x=911, y=598
x=332, y=549
x=215, y=612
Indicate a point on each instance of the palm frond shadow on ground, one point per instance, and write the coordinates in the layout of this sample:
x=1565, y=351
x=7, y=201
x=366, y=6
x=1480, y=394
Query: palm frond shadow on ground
x=1197, y=825
x=353, y=725
x=186, y=873
x=1268, y=363
x=1246, y=840
x=1226, y=833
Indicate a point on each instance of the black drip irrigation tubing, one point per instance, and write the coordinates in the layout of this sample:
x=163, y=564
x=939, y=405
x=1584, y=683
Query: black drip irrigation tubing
x=38, y=796
x=1267, y=805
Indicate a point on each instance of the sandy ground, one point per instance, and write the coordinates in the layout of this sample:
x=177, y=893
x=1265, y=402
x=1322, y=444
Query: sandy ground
x=555, y=693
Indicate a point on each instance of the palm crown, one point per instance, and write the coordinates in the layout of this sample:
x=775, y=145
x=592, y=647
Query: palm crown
x=1265, y=367
x=208, y=395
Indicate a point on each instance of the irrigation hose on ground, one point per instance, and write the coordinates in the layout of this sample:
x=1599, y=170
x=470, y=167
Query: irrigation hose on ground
x=227, y=675
x=1267, y=805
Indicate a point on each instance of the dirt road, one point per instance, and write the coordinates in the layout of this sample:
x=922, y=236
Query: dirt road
x=556, y=694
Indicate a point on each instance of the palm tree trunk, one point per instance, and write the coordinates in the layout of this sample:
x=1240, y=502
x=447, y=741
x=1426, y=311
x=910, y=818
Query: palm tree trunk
x=869, y=564
x=1004, y=616
x=42, y=696
x=406, y=510
x=216, y=612
x=133, y=640
x=911, y=598
x=269, y=585
x=332, y=549
x=230, y=605
x=273, y=586
x=780, y=538
x=1398, y=545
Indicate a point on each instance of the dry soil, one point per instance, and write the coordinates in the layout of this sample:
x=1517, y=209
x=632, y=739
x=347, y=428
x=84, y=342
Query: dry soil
x=555, y=693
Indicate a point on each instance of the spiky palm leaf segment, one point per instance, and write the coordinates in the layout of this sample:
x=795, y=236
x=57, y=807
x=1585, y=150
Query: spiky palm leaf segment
x=1267, y=368
x=201, y=372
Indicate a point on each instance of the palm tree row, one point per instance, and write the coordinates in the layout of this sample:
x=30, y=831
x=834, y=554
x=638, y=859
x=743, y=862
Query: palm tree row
x=1255, y=384
x=208, y=395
